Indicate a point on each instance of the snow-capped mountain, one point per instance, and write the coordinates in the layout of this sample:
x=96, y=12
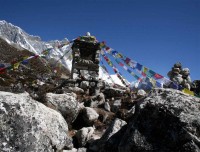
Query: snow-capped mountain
x=17, y=37
x=14, y=35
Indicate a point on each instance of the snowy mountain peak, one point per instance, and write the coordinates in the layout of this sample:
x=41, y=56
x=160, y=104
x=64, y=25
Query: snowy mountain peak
x=14, y=35
x=3, y=22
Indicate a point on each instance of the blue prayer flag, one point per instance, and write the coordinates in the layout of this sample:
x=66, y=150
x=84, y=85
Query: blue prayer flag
x=150, y=73
x=174, y=85
x=114, y=52
x=139, y=66
x=158, y=84
x=25, y=62
x=2, y=65
x=129, y=70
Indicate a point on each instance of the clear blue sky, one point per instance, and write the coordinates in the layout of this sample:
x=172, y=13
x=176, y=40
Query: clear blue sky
x=156, y=33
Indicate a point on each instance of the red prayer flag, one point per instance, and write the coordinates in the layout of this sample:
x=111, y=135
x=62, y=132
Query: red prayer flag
x=121, y=64
x=158, y=76
x=36, y=56
x=103, y=42
x=2, y=70
x=143, y=74
x=139, y=79
x=127, y=60
x=107, y=48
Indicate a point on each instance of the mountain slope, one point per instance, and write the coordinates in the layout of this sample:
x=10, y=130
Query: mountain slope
x=29, y=72
x=14, y=35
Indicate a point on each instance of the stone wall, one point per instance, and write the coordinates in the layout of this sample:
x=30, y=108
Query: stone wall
x=85, y=64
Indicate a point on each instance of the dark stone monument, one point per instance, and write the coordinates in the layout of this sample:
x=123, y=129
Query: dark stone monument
x=85, y=64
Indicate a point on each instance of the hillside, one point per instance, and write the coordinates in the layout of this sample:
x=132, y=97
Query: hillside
x=38, y=70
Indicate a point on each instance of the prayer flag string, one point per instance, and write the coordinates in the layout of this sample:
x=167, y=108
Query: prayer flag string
x=144, y=71
x=113, y=67
x=15, y=65
x=105, y=69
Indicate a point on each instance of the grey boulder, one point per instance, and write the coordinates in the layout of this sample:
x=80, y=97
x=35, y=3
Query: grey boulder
x=167, y=120
x=66, y=104
x=29, y=126
x=90, y=115
x=84, y=135
x=115, y=126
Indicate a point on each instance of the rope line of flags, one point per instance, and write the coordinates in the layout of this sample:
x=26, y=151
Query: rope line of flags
x=155, y=78
x=119, y=75
x=125, y=62
x=15, y=64
x=105, y=70
x=143, y=70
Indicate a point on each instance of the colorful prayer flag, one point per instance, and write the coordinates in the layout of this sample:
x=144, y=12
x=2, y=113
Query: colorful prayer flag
x=108, y=49
x=174, y=85
x=102, y=44
x=166, y=81
x=114, y=52
x=150, y=73
x=121, y=64
x=137, y=77
x=25, y=61
x=158, y=84
x=2, y=65
x=144, y=71
x=36, y=56
x=30, y=57
x=129, y=70
x=125, y=67
x=127, y=60
x=188, y=91
x=119, y=55
x=139, y=66
x=16, y=65
x=158, y=76
x=9, y=67
x=2, y=70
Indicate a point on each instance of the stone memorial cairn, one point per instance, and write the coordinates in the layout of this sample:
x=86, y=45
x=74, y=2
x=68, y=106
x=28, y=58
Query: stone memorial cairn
x=85, y=64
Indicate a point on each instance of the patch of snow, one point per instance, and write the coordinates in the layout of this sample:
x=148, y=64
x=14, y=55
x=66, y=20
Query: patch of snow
x=113, y=78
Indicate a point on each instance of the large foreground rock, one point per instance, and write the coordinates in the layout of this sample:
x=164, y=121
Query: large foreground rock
x=115, y=126
x=29, y=126
x=66, y=104
x=168, y=120
x=84, y=135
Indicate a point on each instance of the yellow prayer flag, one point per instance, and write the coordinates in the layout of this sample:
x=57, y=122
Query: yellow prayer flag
x=119, y=55
x=188, y=91
x=26, y=57
x=145, y=70
x=16, y=66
